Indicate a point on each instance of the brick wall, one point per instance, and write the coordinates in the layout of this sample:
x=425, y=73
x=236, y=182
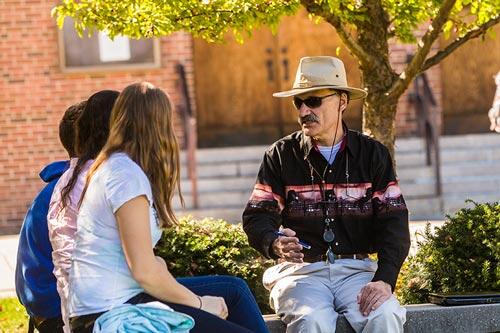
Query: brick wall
x=34, y=93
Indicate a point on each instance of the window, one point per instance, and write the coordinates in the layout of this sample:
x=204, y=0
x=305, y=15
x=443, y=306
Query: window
x=99, y=52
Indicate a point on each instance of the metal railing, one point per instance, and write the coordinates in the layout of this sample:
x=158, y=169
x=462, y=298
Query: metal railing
x=423, y=100
x=190, y=135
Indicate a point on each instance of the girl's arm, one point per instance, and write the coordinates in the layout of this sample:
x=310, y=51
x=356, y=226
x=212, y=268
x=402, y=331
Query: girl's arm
x=152, y=274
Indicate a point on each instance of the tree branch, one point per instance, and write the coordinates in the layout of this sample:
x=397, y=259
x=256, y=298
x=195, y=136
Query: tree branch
x=349, y=40
x=341, y=29
x=435, y=59
x=423, y=49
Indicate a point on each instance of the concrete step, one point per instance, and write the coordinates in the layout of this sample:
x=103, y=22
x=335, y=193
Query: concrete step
x=411, y=187
x=227, y=162
x=405, y=174
x=450, y=156
x=454, y=202
x=211, y=200
x=434, y=208
x=215, y=185
x=450, y=142
x=404, y=146
x=449, y=171
x=424, y=208
x=233, y=205
x=408, y=161
x=420, y=208
x=469, y=170
x=227, y=154
x=452, y=185
x=224, y=169
x=231, y=215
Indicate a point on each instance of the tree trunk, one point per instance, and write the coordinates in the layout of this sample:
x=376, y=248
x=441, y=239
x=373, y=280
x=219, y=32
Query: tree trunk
x=379, y=120
x=379, y=111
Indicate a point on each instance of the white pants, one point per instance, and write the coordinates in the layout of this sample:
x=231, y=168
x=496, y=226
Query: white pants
x=309, y=297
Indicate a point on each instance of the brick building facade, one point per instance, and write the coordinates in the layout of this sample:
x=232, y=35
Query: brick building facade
x=35, y=92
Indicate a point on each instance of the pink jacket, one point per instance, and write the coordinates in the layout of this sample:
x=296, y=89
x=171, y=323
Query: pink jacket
x=62, y=229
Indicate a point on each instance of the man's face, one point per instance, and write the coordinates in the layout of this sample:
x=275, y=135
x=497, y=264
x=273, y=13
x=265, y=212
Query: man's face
x=319, y=122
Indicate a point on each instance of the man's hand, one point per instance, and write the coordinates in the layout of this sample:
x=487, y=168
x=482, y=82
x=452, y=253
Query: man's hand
x=373, y=295
x=288, y=247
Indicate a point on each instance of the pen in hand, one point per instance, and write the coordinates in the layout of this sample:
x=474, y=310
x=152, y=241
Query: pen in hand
x=304, y=244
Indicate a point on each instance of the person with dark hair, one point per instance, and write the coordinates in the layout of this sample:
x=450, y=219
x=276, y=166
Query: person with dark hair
x=67, y=133
x=35, y=283
x=92, y=130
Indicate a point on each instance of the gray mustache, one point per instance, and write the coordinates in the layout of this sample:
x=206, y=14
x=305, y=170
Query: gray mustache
x=308, y=119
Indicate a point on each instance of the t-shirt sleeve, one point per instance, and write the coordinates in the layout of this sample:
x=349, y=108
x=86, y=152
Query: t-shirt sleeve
x=125, y=181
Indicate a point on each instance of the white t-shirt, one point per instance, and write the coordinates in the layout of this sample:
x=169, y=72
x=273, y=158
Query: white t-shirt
x=100, y=278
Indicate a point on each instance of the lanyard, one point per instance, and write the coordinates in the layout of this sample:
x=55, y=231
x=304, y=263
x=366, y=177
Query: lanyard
x=328, y=234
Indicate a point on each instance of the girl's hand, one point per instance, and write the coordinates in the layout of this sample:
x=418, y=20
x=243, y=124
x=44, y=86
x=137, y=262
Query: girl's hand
x=214, y=305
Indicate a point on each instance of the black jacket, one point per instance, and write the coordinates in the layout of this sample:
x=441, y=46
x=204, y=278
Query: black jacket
x=360, y=192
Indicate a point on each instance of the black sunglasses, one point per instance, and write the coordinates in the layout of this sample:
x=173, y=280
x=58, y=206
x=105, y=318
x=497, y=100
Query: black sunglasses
x=311, y=101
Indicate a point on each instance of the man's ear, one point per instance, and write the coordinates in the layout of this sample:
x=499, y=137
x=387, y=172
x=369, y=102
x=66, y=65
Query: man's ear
x=344, y=100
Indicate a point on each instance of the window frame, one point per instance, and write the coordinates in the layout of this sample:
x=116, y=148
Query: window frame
x=106, y=68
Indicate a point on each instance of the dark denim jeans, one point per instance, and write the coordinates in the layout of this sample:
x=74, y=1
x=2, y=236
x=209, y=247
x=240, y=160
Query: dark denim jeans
x=46, y=325
x=244, y=314
x=243, y=309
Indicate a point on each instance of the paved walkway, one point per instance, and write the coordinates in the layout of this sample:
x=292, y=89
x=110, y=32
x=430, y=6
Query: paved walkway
x=8, y=253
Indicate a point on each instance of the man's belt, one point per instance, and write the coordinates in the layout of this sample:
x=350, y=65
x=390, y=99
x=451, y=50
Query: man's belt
x=322, y=257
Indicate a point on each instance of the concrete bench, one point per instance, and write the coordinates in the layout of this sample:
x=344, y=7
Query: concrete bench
x=429, y=318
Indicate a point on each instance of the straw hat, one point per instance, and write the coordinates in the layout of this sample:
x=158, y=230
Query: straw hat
x=323, y=72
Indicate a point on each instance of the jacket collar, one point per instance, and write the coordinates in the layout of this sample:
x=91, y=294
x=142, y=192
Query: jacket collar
x=53, y=171
x=349, y=142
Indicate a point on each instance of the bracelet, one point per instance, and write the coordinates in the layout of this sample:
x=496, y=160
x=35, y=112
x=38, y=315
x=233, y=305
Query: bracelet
x=201, y=303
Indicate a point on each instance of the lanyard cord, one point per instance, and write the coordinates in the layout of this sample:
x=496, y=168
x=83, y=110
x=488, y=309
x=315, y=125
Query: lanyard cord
x=322, y=184
x=328, y=234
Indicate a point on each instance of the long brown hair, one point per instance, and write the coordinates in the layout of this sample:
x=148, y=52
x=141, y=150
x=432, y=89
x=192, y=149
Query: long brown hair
x=92, y=130
x=142, y=127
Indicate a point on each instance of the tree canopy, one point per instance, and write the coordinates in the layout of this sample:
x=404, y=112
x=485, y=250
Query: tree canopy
x=364, y=26
x=211, y=19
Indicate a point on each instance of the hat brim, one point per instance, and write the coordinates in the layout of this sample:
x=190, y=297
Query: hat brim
x=354, y=93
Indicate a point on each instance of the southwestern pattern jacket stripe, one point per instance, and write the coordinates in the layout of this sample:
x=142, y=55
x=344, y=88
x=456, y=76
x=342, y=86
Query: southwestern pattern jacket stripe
x=359, y=191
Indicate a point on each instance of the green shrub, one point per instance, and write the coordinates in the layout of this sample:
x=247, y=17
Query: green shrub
x=208, y=247
x=13, y=316
x=463, y=255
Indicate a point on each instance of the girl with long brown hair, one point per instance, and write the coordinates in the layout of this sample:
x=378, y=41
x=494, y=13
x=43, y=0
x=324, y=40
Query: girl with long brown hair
x=126, y=200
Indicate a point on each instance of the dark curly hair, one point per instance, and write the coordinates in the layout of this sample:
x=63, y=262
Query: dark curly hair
x=92, y=130
x=67, y=131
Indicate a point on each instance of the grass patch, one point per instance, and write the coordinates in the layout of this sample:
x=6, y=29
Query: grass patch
x=13, y=316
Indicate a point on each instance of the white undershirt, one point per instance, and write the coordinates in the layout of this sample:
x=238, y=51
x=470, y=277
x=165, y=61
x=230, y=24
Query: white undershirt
x=329, y=153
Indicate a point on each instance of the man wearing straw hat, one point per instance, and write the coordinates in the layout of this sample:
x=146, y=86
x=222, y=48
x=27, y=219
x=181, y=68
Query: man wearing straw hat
x=324, y=199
